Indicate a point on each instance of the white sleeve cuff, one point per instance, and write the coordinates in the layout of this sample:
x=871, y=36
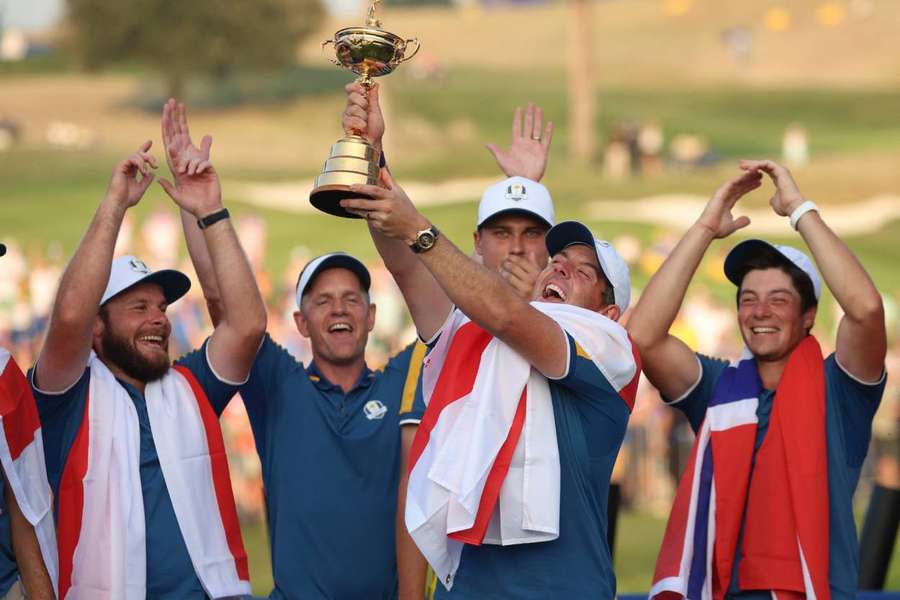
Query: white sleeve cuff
x=219, y=377
x=45, y=392
x=429, y=342
x=410, y=421
x=690, y=389
x=879, y=381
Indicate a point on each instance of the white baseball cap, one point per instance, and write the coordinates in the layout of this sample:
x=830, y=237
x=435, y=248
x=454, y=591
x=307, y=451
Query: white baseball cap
x=749, y=249
x=516, y=194
x=128, y=271
x=614, y=266
x=334, y=260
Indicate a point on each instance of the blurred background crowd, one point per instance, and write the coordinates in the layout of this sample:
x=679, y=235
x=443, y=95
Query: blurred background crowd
x=658, y=439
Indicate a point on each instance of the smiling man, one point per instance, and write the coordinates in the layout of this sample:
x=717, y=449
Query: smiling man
x=135, y=456
x=512, y=221
x=557, y=359
x=783, y=432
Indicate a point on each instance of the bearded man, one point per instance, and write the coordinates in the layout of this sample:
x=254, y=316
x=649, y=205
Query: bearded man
x=135, y=455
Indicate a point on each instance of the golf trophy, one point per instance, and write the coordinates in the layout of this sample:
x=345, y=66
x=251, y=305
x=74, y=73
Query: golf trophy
x=368, y=51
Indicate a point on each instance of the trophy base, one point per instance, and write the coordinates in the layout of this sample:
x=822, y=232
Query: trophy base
x=327, y=198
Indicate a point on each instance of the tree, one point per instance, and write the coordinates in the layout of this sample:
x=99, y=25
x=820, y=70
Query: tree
x=582, y=100
x=183, y=38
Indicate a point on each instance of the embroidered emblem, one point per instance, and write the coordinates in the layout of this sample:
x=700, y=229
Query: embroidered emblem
x=516, y=192
x=374, y=409
x=138, y=266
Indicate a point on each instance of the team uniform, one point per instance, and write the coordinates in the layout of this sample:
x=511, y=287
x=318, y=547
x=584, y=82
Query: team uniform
x=850, y=406
x=590, y=418
x=330, y=465
x=169, y=570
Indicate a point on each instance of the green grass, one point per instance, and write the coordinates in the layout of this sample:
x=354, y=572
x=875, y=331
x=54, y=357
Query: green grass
x=637, y=543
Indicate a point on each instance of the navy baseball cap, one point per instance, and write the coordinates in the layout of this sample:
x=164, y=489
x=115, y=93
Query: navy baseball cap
x=614, y=266
x=749, y=249
x=334, y=260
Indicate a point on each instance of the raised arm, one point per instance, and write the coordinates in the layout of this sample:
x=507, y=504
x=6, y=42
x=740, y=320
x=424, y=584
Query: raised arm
x=529, y=149
x=427, y=302
x=862, y=339
x=669, y=363
x=68, y=343
x=242, y=322
x=480, y=293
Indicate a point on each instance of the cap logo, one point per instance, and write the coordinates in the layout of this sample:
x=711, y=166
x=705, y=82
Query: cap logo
x=374, y=409
x=516, y=192
x=138, y=266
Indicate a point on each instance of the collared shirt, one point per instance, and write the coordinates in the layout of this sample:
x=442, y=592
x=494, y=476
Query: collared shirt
x=330, y=464
x=850, y=406
x=591, y=418
x=170, y=573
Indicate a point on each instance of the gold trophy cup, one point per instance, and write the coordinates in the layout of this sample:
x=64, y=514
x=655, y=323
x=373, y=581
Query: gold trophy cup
x=368, y=51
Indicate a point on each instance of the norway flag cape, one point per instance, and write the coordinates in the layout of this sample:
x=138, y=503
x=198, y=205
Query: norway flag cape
x=102, y=533
x=785, y=544
x=22, y=455
x=484, y=465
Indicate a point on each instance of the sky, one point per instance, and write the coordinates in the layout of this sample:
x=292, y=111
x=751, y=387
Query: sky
x=32, y=15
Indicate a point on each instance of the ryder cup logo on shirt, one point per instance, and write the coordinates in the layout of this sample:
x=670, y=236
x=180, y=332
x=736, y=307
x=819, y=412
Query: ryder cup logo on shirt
x=374, y=409
x=516, y=192
x=138, y=266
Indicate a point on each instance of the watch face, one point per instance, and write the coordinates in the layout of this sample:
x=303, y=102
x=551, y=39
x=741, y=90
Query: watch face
x=426, y=240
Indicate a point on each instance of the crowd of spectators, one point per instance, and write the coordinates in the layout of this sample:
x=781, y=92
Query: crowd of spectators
x=658, y=439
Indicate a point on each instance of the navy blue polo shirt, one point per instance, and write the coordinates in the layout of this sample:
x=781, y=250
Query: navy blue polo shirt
x=170, y=573
x=591, y=418
x=330, y=466
x=850, y=406
x=9, y=572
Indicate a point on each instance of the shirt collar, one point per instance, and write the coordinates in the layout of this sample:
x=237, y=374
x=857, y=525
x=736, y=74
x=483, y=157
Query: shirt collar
x=321, y=382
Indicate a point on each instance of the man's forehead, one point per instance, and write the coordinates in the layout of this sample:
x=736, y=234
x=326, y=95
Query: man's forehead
x=580, y=252
x=515, y=220
x=334, y=279
x=767, y=280
x=141, y=291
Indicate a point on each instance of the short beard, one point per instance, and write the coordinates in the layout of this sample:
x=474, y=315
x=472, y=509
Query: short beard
x=121, y=353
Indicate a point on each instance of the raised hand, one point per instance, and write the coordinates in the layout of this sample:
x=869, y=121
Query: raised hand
x=717, y=215
x=124, y=187
x=196, y=185
x=787, y=195
x=362, y=115
x=521, y=274
x=529, y=150
x=390, y=211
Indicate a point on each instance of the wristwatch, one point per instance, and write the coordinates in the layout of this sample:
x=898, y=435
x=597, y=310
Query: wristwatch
x=425, y=240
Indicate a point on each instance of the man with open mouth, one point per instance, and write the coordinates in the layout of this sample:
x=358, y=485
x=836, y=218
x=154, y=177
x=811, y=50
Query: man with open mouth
x=512, y=221
x=527, y=401
x=135, y=456
x=783, y=432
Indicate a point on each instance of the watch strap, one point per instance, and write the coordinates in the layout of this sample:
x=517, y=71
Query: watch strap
x=212, y=218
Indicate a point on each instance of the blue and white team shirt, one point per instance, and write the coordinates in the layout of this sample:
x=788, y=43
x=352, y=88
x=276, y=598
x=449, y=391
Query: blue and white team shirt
x=850, y=406
x=331, y=465
x=591, y=418
x=170, y=573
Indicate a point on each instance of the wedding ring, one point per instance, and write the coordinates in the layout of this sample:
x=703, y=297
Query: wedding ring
x=536, y=138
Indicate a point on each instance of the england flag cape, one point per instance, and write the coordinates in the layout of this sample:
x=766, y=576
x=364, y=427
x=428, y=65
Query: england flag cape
x=22, y=455
x=101, y=525
x=484, y=465
x=784, y=505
